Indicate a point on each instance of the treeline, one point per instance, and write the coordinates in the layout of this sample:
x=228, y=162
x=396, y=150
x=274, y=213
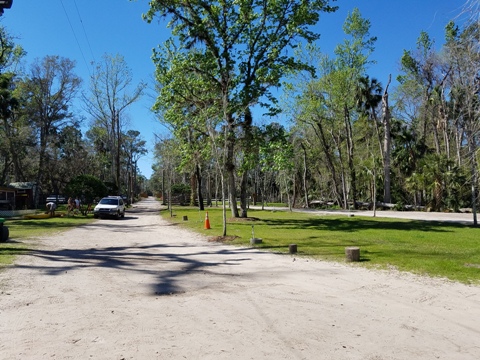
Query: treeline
x=414, y=144
x=411, y=139
x=41, y=138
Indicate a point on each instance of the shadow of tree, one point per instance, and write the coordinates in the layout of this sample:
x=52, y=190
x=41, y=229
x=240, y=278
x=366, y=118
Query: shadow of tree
x=169, y=268
x=361, y=223
x=175, y=268
x=11, y=250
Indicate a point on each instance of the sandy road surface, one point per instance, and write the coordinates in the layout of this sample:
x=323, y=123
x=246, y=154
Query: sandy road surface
x=139, y=288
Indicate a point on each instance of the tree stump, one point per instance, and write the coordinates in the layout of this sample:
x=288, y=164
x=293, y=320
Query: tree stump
x=292, y=248
x=352, y=253
x=185, y=217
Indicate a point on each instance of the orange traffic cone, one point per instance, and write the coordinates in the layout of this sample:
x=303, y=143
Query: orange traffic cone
x=207, y=222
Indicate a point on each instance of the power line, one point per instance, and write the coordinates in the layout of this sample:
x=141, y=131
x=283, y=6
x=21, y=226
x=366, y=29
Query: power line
x=84, y=32
x=75, y=36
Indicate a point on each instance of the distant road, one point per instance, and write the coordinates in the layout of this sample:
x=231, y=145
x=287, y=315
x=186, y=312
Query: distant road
x=412, y=215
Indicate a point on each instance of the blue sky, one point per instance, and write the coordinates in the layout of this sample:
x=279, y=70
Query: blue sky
x=84, y=30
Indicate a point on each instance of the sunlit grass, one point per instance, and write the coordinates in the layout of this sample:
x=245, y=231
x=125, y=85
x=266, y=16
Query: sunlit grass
x=31, y=229
x=429, y=248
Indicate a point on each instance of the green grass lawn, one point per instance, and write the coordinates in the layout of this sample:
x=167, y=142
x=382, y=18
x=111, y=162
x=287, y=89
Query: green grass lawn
x=429, y=248
x=436, y=249
x=27, y=229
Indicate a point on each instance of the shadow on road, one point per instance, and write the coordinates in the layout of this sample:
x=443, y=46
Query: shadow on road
x=170, y=268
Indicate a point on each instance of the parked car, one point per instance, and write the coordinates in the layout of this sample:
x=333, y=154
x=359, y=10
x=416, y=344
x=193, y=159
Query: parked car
x=58, y=199
x=110, y=206
x=126, y=200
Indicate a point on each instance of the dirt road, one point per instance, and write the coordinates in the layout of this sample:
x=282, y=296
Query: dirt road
x=139, y=288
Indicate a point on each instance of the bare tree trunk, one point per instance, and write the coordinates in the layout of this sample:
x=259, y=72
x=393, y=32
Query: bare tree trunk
x=193, y=188
x=294, y=191
x=41, y=161
x=350, y=153
x=117, y=155
x=230, y=168
x=255, y=188
x=209, y=189
x=288, y=193
x=305, y=176
x=377, y=131
x=216, y=188
x=199, y=188
x=344, y=199
x=14, y=151
x=387, y=197
x=435, y=136
x=264, y=189
x=224, y=205
x=474, y=173
x=247, y=150
x=345, y=191
x=243, y=195
x=446, y=135
x=459, y=132
x=329, y=160
x=170, y=195
x=374, y=192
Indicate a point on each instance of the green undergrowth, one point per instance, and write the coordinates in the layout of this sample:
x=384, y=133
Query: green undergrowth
x=437, y=249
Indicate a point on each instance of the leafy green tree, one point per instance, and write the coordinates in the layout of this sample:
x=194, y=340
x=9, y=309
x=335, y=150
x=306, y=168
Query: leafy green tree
x=247, y=43
x=87, y=187
x=334, y=102
x=67, y=158
x=191, y=111
x=8, y=106
x=100, y=154
x=15, y=134
x=276, y=153
x=422, y=79
x=10, y=53
x=168, y=160
x=368, y=96
x=250, y=138
x=350, y=64
x=49, y=91
x=464, y=56
x=134, y=148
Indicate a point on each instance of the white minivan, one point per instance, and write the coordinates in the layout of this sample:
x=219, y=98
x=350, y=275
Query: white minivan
x=110, y=206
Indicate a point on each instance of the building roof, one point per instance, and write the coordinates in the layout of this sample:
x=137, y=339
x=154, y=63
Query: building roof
x=22, y=185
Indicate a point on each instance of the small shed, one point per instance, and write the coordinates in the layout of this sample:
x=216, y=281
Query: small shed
x=23, y=194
